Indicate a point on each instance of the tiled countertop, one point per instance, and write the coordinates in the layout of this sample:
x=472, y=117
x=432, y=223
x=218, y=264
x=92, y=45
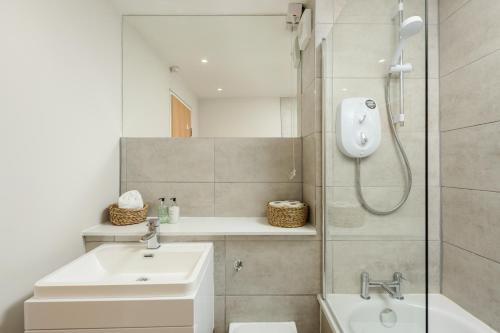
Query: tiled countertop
x=205, y=226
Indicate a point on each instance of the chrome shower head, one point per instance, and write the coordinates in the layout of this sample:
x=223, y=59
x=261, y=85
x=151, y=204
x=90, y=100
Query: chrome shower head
x=411, y=26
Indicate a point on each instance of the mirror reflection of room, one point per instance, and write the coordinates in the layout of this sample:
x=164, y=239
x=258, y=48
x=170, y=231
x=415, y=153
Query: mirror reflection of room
x=210, y=76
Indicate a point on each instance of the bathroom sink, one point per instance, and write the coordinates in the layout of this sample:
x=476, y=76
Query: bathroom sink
x=129, y=270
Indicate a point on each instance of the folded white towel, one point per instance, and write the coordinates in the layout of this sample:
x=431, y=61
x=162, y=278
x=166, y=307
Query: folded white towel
x=286, y=204
x=131, y=200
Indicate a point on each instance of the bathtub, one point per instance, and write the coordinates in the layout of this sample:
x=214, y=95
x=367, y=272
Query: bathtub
x=381, y=314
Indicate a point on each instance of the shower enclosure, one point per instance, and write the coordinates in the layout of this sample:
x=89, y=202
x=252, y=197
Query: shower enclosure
x=381, y=230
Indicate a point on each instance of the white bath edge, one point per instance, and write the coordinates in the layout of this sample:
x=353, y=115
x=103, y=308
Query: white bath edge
x=444, y=314
x=327, y=312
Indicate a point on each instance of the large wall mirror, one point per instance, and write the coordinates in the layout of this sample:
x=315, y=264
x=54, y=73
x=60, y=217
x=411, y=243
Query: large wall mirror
x=209, y=76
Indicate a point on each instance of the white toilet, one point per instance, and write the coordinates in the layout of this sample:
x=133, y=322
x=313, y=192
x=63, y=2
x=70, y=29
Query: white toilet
x=279, y=327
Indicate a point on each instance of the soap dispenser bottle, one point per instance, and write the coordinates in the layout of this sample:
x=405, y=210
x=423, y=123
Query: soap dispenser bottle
x=173, y=211
x=163, y=211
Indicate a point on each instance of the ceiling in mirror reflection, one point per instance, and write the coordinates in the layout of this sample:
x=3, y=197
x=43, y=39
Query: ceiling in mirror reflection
x=224, y=56
x=230, y=76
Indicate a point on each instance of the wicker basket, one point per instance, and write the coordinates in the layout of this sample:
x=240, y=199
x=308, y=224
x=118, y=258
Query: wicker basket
x=124, y=216
x=287, y=217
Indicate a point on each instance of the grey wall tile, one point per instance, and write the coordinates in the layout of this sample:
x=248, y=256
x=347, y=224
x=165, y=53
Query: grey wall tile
x=381, y=259
x=324, y=31
x=434, y=111
x=469, y=34
x=324, y=11
x=220, y=267
x=470, y=157
x=433, y=11
x=433, y=51
x=374, y=11
x=378, y=41
x=384, y=167
x=469, y=96
x=309, y=160
x=460, y=270
x=250, y=199
x=318, y=158
x=304, y=310
x=311, y=198
x=448, y=7
x=434, y=207
x=317, y=105
x=318, y=212
x=123, y=187
x=329, y=266
x=470, y=221
x=433, y=158
x=257, y=159
x=194, y=199
x=309, y=63
x=308, y=109
x=273, y=267
x=166, y=159
x=220, y=314
x=348, y=220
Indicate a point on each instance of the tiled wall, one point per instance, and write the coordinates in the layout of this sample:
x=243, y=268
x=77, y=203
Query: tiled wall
x=212, y=177
x=470, y=148
x=364, y=42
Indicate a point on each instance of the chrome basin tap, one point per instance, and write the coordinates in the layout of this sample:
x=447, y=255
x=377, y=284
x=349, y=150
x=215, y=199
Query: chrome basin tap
x=393, y=287
x=152, y=237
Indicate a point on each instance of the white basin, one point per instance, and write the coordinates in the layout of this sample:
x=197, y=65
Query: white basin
x=129, y=270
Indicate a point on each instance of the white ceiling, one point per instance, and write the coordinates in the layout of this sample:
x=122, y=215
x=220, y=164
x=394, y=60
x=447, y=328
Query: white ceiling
x=248, y=56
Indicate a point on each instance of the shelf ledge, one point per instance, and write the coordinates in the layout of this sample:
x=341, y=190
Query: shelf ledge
x=205, y=226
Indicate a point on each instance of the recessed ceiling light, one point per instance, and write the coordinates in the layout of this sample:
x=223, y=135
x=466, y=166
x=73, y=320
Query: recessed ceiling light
x=204, y=61
x=381, y=61
x=219, y=89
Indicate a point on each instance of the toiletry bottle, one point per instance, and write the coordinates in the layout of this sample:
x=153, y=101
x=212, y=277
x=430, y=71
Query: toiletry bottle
x=173, y=211
x=163, y=211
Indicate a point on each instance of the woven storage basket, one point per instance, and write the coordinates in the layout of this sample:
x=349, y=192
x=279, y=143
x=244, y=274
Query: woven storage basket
x=125, y=216
x=287, y=217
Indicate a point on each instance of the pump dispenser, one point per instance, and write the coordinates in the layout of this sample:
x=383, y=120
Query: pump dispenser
x=173, y=211
x=163, y=211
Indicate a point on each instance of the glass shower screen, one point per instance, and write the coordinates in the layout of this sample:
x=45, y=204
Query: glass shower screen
x=380, y=237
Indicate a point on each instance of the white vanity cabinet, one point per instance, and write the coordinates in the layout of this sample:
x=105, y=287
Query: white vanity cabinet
x=114, y=289
x=124, y=330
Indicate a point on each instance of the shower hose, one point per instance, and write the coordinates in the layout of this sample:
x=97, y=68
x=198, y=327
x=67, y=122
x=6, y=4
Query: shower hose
x=402, y=154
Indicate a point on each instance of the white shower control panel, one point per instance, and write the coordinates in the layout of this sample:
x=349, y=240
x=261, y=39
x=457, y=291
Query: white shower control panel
x=358, y=127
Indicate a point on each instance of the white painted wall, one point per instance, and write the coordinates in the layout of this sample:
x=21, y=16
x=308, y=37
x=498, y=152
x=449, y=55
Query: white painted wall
x=147, y=83
x=240, y=117
x=60, y=123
